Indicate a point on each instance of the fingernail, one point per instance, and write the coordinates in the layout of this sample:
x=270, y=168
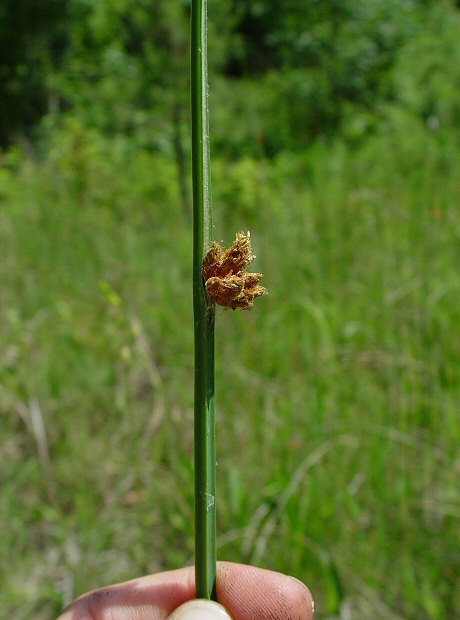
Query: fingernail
x=200, y=609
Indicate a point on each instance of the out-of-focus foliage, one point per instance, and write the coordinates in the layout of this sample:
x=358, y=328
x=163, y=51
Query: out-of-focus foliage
x=339, y=394
x=31, y=39
x=427, y=76
x=289, y=72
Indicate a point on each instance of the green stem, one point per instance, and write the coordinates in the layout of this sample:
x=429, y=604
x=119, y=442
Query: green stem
x=204, y=315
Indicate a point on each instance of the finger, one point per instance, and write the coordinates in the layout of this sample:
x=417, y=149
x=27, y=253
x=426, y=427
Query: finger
x=248, y=592
x=148, y=598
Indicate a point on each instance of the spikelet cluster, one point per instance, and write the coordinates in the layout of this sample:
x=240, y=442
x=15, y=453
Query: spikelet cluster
x=227, y=283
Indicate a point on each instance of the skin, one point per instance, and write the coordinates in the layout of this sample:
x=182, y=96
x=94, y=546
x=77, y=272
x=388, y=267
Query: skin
x=248, y=593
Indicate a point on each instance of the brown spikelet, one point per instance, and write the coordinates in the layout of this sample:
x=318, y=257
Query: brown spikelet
x=226, y=281
x=212, y=260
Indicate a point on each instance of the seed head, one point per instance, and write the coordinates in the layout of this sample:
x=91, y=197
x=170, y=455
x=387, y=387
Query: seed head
x=225, y=279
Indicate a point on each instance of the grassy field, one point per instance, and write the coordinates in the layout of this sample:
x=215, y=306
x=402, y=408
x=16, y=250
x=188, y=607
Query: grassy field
x=337, y=397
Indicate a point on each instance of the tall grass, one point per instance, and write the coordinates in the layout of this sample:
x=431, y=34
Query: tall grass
x=341, y=403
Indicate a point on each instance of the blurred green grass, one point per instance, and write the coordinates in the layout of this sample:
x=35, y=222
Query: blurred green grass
x=337, y=398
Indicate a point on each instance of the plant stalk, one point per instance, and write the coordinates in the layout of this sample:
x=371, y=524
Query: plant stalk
x=204, y=316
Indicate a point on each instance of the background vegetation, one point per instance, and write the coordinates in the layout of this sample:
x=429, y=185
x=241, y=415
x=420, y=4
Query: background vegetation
x=336, y=141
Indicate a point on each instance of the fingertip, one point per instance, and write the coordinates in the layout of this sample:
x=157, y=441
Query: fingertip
x=152, y=597
x=248, y=592
x=302, y=597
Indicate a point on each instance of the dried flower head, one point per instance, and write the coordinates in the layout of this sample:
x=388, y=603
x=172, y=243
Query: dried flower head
x=226, y=281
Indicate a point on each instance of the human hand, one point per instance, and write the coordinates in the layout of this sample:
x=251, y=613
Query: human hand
x=248, y=593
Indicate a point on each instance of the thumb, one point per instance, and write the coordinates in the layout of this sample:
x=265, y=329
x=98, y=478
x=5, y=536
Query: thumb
x=200, y=609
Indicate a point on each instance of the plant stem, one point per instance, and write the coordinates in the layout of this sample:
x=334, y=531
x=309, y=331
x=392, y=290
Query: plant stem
x=204, y=315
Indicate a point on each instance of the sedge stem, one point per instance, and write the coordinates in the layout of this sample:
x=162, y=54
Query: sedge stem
x=204, y=316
